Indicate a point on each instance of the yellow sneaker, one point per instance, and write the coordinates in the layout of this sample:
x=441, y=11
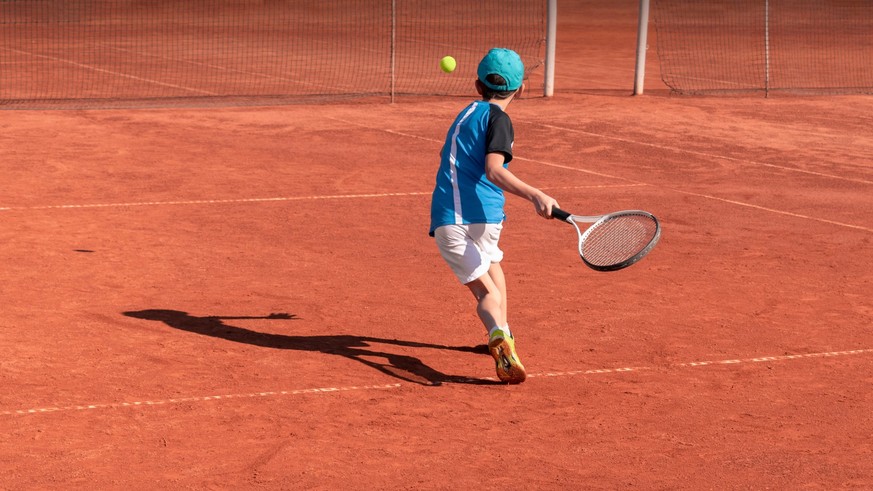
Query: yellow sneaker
x=509, y=367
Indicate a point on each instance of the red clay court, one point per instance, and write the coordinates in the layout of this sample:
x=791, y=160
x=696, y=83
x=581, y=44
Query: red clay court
x=247, y=298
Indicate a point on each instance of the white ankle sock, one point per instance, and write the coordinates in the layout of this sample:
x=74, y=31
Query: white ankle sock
x=505, y=330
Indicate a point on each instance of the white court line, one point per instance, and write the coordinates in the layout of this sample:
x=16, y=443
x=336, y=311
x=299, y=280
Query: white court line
x=741, y=85
x=177, y=400
x=773, y=210
x=699, y=153
x=262, y=200
x=53, y=58
x=641, y=183
x=623, y=140
x=716, y=198
x=693, y=364
x=433, y=140
x=326, y=390
x=210, y=201
x=223, y=68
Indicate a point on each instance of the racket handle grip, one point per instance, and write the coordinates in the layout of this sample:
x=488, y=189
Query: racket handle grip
x=560, y=214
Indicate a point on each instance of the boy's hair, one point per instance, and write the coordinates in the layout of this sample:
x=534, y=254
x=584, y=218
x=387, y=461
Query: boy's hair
x=501, y=73
x=489, y=93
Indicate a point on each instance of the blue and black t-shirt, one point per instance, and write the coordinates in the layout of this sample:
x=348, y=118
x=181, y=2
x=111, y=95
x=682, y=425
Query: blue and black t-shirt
x=463, y=194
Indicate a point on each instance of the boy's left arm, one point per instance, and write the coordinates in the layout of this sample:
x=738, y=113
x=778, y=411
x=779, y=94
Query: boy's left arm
x=507, y=181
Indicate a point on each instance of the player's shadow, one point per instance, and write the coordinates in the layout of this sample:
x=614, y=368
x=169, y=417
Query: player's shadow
x=358, y=348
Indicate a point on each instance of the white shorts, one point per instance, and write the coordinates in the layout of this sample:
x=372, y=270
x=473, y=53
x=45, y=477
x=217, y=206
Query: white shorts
x=469, y=249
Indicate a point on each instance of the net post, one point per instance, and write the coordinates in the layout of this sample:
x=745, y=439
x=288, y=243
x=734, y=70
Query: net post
x=766, y=48
x=551, y=32
x=642, y=45
x=393, y=46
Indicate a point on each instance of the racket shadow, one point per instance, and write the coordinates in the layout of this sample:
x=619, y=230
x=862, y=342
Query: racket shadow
x=358, y=348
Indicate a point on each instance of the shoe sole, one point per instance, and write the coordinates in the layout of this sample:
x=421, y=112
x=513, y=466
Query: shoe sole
x=509, y=371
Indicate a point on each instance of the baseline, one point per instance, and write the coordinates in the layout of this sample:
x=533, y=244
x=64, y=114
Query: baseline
x=325, y=390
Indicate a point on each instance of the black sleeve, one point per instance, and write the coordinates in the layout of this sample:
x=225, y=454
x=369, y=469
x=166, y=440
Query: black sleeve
x=500, y=135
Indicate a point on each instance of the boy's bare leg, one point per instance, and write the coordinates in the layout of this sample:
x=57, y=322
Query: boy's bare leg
x=496, y=274
x=490, y=292
x=489, y=298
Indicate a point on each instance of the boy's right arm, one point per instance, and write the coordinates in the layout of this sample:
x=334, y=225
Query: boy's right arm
x=507, y=181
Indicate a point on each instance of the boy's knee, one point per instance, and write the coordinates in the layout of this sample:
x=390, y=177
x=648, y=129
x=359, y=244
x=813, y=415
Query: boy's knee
x=481, y=290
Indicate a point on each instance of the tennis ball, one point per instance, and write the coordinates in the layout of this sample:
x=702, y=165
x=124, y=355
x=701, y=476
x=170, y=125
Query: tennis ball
x=448, y=64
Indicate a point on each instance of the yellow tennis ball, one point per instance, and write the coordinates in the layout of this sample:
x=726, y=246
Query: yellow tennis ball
x=448, y=64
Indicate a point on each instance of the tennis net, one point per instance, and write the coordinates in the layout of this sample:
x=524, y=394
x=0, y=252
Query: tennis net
x=124, y=53
x=812, y=46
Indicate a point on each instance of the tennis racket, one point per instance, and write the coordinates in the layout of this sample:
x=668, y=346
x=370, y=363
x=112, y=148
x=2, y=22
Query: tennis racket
x=614, y=241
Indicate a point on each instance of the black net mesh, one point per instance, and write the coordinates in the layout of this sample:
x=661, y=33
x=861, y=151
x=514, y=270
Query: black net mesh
x=810, y=46
x=111, y=53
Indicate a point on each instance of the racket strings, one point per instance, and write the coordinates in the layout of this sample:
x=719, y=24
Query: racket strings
x=618, y=240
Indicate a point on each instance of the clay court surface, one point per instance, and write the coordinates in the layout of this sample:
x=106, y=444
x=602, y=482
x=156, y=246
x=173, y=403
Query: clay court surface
x=245, y=298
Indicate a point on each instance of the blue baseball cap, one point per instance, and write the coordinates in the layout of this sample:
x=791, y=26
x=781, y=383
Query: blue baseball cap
x=503, y=62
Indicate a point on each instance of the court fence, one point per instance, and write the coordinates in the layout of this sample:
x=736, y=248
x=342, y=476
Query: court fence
x=767, y=46
x=123, y=53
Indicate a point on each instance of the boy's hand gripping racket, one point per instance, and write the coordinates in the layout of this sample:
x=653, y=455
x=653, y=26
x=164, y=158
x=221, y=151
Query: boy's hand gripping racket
x=614, y=241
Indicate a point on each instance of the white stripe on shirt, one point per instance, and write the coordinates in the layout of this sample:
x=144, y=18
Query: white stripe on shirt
x=456, y=192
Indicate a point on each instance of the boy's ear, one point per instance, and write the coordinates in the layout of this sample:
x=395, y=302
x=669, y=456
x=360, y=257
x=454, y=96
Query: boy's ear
x=480, y=87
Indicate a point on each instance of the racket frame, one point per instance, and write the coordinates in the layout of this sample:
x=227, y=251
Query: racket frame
x=596, y=221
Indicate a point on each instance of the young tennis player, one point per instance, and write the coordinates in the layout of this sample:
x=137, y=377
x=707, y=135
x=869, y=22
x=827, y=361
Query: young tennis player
x=467, y=206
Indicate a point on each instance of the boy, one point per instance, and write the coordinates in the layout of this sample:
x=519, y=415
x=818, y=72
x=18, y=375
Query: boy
x=467, y=205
